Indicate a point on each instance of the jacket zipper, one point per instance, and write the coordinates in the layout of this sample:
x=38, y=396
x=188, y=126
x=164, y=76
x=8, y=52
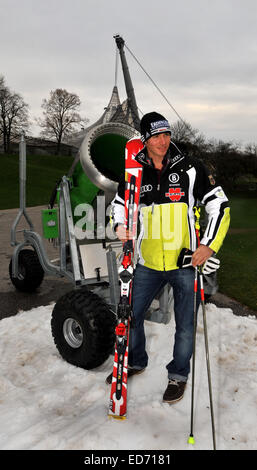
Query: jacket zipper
x=158, y=191
x=159, y=173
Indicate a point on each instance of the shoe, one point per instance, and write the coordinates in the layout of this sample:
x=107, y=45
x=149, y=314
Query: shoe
x=174, y=391
x=131, y=372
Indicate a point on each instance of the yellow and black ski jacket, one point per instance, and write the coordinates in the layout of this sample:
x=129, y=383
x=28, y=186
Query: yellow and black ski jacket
x=167, y=200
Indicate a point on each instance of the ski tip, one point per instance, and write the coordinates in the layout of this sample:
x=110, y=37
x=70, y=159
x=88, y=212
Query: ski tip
x=191, y=440
x=117, y=417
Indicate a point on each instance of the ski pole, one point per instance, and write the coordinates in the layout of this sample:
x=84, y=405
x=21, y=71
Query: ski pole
x=191, y=439
x=207, y=356
x=191, y=436
x=199, y=269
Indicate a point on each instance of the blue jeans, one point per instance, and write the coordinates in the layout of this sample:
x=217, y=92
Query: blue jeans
x=147, y=283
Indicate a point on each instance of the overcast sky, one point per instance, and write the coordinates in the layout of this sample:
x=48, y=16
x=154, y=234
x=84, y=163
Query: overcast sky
x=201, y=53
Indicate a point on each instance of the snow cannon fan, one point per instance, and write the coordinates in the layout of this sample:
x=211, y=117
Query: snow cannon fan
x=102, y=155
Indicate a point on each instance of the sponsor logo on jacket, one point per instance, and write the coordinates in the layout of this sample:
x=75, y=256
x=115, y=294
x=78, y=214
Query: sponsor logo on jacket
x=146, y=188
x=175, y=194
x=173, y=178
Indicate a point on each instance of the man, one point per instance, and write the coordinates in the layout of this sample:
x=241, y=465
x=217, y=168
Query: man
x=172, y=183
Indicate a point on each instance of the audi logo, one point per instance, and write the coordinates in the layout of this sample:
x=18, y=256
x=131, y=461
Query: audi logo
x=146, y=188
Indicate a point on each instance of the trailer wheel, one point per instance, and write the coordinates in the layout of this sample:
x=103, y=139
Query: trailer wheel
x=83, y=328
x=30, y=273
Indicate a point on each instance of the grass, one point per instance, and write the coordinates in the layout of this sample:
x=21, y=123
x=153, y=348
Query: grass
x=42, y=174
x=238, y=273
x=243, y=210
x=237, y=276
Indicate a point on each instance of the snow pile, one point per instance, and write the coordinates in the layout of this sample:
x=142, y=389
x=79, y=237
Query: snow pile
x=46, y=403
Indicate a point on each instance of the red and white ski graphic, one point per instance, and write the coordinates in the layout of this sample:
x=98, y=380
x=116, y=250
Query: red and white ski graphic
x=133, y=177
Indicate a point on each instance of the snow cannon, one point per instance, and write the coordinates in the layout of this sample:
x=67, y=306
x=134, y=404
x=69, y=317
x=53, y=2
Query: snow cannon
x=102, y=154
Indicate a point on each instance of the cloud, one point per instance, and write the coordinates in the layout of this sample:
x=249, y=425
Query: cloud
x=202, y=55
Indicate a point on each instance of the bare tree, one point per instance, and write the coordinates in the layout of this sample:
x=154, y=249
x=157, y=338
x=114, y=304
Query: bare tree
x=251, y=149
x=61, y=117
x=13, y=114
x=182, y=131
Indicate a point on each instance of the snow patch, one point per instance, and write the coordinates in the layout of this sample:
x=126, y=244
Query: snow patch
x=46, y=403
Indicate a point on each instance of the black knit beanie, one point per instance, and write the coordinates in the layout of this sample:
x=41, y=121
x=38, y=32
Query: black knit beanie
x=153, y=123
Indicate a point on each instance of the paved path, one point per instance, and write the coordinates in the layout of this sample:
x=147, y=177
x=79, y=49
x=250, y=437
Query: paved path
x=11, y=301
x=52, y=288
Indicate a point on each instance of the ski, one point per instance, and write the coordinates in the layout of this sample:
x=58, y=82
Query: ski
x=133, y=176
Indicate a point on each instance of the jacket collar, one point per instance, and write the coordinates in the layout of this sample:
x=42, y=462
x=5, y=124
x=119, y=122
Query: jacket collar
x=173, y=156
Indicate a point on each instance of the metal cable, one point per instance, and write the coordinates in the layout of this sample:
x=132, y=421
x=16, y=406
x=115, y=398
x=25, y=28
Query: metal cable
x=156, y=86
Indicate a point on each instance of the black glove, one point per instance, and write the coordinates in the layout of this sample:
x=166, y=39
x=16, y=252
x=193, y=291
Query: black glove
x=185, y=261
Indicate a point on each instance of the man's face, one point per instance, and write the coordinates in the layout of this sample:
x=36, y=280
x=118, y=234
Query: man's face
x=157, y=146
